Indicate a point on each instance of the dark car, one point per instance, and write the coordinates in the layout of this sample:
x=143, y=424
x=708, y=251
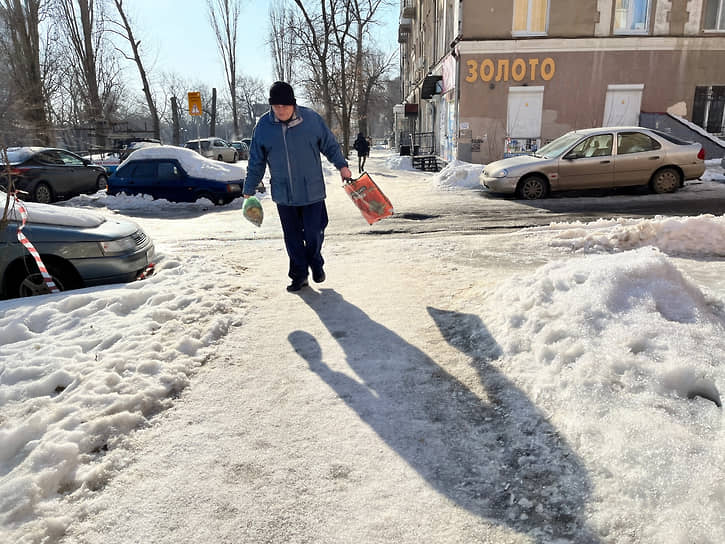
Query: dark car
x=79, y=248
x=177, y=174
x=49, y=174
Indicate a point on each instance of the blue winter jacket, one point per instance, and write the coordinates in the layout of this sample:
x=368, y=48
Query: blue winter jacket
x=292, y=151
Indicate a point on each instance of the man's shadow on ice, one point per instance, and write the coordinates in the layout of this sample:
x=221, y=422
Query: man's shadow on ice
x=496, y=456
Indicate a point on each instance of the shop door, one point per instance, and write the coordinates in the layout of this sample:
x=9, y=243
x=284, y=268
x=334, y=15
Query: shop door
x=623, y=105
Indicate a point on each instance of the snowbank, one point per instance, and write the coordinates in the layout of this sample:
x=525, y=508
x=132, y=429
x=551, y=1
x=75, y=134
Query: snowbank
x=612, y=347
x=399, y=162
x=81, y=370
x=703, y=235
x=459, y=175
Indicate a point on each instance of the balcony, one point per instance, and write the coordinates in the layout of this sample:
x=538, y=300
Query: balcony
x=407, y=9
x=404, y=29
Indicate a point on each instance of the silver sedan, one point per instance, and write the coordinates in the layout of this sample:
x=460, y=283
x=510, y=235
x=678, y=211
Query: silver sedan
x=599, y=158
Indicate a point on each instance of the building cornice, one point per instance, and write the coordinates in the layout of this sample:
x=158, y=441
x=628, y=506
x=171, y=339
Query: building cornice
x=616, y=43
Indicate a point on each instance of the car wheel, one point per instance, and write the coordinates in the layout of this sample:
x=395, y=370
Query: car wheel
x=24, y=281
x=220, y=158
x=101, y=182
x=211, y=198
x=532, y=188
x=666, y=180
x=43, y=193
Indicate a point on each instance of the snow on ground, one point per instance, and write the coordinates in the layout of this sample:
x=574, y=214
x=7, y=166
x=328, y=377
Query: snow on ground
x=554, y=383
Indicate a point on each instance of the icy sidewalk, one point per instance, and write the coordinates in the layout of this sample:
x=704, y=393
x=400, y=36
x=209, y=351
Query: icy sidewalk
x=323, y=418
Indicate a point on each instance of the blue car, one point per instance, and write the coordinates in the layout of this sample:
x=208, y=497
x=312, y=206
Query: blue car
x=178, y=175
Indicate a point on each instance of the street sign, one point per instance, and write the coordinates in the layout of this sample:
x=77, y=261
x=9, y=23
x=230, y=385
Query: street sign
x=195, y=104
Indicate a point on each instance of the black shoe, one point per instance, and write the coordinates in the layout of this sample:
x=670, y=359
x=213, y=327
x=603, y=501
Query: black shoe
x=297, y=285
x=318, y=275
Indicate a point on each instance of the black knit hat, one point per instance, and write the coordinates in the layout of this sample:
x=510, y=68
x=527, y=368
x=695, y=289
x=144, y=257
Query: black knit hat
x=281, y=93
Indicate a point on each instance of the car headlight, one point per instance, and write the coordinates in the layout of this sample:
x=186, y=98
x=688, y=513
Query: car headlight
x=499, y=173
x=116, y=247
x=234, y=188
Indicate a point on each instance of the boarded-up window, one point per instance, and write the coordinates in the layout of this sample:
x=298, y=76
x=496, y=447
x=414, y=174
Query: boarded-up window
x=530, y=16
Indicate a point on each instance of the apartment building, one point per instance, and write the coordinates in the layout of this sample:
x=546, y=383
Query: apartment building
x=489, y=78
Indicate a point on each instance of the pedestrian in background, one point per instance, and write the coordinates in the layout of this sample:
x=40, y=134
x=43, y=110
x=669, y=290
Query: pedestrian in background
x=289, y=139
x=362, y=146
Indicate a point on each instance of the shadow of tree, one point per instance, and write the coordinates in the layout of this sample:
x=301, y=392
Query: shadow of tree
x=497, y=457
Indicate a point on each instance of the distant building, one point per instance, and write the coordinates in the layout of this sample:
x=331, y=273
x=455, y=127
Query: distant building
x=486, y=78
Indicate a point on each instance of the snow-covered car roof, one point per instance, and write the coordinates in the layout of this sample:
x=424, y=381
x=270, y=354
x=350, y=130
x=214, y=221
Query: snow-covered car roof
x=194, y=164
x=52, y=215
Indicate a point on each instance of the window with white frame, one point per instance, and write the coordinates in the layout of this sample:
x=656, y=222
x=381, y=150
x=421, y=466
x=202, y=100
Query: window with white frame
x=631, y=16
x=530, y=16
x=715, y=15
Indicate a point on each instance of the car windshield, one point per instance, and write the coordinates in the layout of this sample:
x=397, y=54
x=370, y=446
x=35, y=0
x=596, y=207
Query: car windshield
x=558, y=146
x=192, y=145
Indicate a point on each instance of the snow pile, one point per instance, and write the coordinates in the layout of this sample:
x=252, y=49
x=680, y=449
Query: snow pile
x=80, y=370
x=194, y=164
x=703, y=234
x=52, y=215
x=611, y=347
x=459, y=174
x=399, y=162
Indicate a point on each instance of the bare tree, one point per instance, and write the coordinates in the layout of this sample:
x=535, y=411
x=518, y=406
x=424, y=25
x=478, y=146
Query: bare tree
x=281, y=41
x=312, y=34
x=21, y=43
x=224, y=17
x=95, y=79
x=375, y=66
x=126, y=32
x=251, y=91
x=332, y=41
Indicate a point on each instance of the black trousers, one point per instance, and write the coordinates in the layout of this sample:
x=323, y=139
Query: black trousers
x=304, y=232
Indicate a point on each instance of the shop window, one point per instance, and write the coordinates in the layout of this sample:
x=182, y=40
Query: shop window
x=530, y=16
x=715, y=15
x=708, y=107
x=631, y=16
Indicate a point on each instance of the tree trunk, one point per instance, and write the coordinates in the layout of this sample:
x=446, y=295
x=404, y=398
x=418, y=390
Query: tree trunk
x=212, y=122
x=176, y=130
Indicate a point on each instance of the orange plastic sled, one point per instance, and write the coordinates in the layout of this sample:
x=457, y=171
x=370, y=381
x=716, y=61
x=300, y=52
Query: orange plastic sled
x=368, y=197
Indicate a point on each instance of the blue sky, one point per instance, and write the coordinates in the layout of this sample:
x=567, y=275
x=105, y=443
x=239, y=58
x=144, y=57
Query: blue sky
x=177, y=37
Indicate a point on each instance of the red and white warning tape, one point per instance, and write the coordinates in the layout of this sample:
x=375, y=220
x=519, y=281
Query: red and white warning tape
x=31, y=248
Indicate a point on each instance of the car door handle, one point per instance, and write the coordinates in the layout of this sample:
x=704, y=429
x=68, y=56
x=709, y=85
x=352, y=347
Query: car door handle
x=654, y=158
x=604, y=162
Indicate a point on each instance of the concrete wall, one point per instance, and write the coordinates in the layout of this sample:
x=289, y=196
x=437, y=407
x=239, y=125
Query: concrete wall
x=667, y=123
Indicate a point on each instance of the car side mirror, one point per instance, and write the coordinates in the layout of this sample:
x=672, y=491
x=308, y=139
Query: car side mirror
x=573, y=155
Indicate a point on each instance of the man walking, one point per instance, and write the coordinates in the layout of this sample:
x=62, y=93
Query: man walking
x=289, y=139
x=362, y=146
